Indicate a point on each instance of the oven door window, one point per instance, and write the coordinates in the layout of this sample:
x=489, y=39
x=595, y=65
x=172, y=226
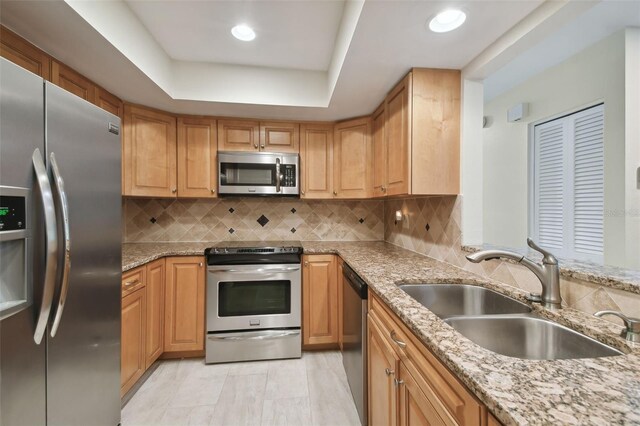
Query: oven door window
x=243, y=174
x=244, y=298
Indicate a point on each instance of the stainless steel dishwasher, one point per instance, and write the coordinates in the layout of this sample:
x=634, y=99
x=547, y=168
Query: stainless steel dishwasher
x=354, y=345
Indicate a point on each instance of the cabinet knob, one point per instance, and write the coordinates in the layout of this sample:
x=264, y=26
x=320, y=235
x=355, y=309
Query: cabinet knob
x=255, y=145
x=398, y=382
x=200, y=264
x=389, y=372
x=306, y=263
x=383, y=189
x=262, y=146
x=174, y=190
x=302, y=192
x=335, y=193
x=213, y=191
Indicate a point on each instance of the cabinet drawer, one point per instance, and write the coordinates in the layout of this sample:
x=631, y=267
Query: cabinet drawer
x=450, y=398
x=133, y=280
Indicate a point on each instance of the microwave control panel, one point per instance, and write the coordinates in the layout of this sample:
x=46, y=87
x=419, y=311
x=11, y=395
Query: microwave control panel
x=288, y=175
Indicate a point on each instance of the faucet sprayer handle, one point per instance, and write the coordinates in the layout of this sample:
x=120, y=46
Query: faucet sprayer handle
x=548, y=258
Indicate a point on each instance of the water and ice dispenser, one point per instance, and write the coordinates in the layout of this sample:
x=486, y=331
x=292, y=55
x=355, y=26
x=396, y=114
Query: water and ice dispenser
x=15, y=236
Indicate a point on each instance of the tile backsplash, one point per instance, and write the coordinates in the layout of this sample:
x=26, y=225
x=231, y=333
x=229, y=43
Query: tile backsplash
x=431, y=226
x=251, y=219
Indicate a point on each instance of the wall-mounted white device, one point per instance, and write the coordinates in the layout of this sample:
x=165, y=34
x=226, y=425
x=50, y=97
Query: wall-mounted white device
x=517, y=112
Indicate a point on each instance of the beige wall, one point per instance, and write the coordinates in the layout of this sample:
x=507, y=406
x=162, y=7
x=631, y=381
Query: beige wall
x=165, y=220
x=442, y=241
x=594, y=75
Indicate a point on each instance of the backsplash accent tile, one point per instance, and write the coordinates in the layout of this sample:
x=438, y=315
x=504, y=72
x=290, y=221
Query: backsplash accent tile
x=247, y=219
x=431, y=226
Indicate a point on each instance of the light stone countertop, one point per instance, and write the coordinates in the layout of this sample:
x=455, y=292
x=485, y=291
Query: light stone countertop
x=599, y=391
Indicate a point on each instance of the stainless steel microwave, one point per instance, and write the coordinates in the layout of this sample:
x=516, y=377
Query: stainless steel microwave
x=258, y=173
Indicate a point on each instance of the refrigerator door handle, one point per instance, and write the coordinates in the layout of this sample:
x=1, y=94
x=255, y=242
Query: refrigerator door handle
x=51, y=236
x=63, y=205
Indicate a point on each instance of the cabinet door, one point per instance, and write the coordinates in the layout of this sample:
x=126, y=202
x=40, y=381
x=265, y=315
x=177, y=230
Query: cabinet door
x=132, y=351
x=379, y=142
x=415, y=407
x=109, y=102
x=71, y=81
x=149, y=152
x=383, y=364
x=435, y=135
x=238, y=135
x=155, y=311
x=319, y=302
x=19, y=51
x=184, y=304
x=197, y=157
x=276, y=136
x=352, y=159
x=316, y=161
x=398, y=130
x=340, y=290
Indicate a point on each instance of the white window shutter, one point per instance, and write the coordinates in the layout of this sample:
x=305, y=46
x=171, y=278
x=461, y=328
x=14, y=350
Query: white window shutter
x=549, y=183
x=588, y=181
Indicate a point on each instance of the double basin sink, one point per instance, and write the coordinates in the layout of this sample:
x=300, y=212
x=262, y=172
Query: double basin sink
x=504, y=325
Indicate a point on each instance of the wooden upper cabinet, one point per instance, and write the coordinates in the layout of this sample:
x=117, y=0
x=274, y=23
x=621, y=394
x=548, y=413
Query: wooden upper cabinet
x=398, y=131
x=238, y=135
x=72, y=81
x=435, y=132
x=132, y=348
x=149, y=152
x=319, y=301
x=184, y=304
x=379, y=141
x=19, y=51
x=155, y=311
x=279, y=136
x=197, y=157
x=109, y=102
x=352, y=159
x=316, y=160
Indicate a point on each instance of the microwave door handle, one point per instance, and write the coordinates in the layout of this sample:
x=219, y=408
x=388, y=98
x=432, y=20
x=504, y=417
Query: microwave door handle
x=51, y=236
x=278, y=176
x=63, y=205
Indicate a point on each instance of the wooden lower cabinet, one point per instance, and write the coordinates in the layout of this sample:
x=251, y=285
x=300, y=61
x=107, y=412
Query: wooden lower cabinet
x=415, y=407
x=383, y=364
x=155, y=311
x=184, y=304
x=427, y=393
x=319, y=302
x=133, y=329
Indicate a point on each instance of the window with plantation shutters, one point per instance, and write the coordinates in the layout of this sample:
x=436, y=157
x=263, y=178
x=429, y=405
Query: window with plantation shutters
x=568, y=184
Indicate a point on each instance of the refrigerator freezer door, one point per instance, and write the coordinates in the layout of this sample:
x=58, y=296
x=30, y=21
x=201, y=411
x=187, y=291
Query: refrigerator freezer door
x=22, y=361
x=83, y=380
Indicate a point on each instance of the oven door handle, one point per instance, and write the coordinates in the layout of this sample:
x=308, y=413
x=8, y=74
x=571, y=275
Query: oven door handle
x=265, y=336
x=254, y=271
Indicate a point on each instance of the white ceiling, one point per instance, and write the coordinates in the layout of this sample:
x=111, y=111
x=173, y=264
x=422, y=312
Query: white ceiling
x=375, y=44
x=290, y=34
x=593, y=25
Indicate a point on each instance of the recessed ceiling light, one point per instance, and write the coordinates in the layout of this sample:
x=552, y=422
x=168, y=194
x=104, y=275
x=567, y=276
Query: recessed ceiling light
x=243, y=32
x=447, y=20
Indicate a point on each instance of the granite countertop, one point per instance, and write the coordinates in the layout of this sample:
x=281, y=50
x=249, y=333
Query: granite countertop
x=599, y=391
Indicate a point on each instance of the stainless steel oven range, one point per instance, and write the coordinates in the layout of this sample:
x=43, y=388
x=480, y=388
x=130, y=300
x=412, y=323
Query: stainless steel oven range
x=253, y=302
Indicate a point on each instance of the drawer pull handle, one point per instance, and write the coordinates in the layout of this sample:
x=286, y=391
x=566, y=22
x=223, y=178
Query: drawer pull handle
x=395, y=339
x=131, y=283
x=389, y=372
x=398, y=382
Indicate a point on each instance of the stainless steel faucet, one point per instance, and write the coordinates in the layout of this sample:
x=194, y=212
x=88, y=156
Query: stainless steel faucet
x=548, y=272
x=632, y=325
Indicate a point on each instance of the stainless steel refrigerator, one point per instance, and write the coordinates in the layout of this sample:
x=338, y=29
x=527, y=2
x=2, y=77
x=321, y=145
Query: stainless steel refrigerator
x=60, y=256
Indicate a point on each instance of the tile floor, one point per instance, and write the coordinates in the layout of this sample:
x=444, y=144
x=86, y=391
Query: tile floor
x=312, y=390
